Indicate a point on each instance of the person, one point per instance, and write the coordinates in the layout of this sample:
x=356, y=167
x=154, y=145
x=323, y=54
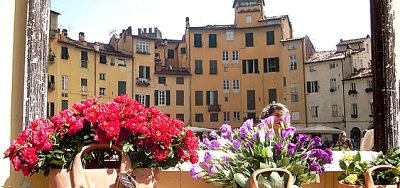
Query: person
x=367, y=142
x=274, y=109
x=343, y=142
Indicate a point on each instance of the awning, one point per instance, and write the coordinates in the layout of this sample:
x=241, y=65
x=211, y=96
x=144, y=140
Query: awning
x=317, y=129
x=200, y=129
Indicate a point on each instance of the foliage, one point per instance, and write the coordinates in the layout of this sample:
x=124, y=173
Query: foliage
x=235, y=154
x=353, y=169
x=149, y=137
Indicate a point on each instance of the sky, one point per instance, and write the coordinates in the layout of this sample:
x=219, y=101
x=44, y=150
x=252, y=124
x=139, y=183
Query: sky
x=325, y=22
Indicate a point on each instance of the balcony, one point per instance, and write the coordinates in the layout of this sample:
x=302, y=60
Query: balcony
x=84, y=89
x=214, y=108
x=143, y=82
x=354, y=115
x=51, y=58
x=51, y=86
x=368, y=90
x=353, y=91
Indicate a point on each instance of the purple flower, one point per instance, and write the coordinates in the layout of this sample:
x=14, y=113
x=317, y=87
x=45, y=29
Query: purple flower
x=215, y=144
x=278, y=148
x=255, y=135
x=269, y=133
x=249, y=144
x=287, y=133
x=195, y=172
x=269, y=120
x=329, y=157
x=212, y=170
x=243, y=131
x=285, y=118
x=316, y=141
x=237, y=144
x=207, y=157
x=248, y=123
x=302, y=138
x=291, y=148
x=206, y=142
x=315, y=167
x=225, y=158
x=225, y=128
x=213, y=134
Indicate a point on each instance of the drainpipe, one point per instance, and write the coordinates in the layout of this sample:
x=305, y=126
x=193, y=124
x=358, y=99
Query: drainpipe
x=304, y=82
x=344, y=103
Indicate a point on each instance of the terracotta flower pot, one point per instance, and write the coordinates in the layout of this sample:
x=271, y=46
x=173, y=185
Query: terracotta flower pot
x=106, y=177
x=370, y=182
x=344, y=185
x=253, y=178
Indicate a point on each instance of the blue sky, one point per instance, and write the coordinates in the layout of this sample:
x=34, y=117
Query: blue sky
x=324, y=21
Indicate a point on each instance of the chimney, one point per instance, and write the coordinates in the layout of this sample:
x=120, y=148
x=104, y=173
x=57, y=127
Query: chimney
x=65, y=32
x=150, y=30
x=96, y=46
x=139, y=31
x=144, y=30
x=187, y=22
x=129, y=30
x=81, y=36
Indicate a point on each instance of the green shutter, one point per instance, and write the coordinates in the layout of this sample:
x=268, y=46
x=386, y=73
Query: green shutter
x=256, y=66
x=168, y=98
x=121, y=88
x=208, y=98
x=148, y=72
x=147, y=101
x=277, y=64
x=155, y=97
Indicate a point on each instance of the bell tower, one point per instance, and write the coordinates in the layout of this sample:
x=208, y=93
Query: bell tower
x=248, y=12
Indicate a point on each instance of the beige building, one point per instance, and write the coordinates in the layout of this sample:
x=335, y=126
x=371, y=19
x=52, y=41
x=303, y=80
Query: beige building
x=240, y=68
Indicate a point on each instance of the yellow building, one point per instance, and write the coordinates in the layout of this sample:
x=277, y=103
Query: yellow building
x=240, y=68
x=79, y=70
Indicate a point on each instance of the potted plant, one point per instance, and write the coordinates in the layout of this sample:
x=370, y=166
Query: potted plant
x=150, y=138
x=353, y=171
x=234, y=155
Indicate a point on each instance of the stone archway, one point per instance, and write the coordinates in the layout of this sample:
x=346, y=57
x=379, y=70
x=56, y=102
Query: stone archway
x=355, y=136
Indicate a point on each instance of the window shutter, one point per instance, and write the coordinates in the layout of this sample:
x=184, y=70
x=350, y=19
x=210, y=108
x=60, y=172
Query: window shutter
x=308, y=87
x=147, y=101
x=141, y=71
x=155, y=97
x=256, y=66
x=168, y=98
x=208, y=98
x=121, y=87
x=216, y=97
x=137, y=98
x=277, y=64
x=148, y=72
x=244, y=67
x=316, y=86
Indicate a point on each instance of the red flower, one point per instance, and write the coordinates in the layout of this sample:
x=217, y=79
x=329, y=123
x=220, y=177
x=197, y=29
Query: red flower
x=159, y=153
x=29, y=156
x=91, y=115
x=16, y=161
x=194, y=158
x=111, y=129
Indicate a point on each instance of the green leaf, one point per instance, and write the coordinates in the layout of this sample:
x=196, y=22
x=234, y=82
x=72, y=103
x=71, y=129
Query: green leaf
x=342, y=165
x=341, y=176
x=241, y=179
x=357, y=157
x=284, y=162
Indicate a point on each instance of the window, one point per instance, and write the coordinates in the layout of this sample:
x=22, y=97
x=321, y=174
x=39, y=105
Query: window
x=312, y=68
x=212, y=40
x=112, y=61
x=103, y=59
x=157, y=56
x=84, y=84
x=295, y=116
x=214, y=117
x=250, y=66
x=162, y=80
x=293, y=62
x=235, y=57
x=249, y=39
x=64, y=53
x=102, y=91
x=212, y=97
x=236, y=85
x=197, y=40
x=198, y=65
x=183, y=50
x=369, y=84
x=225, y=57
x=198, y=97
x=225, y=86
x=102, y=76
x=354, y=111
x=312, y=86
x=171, y=53
x=84, y=59
x=213, y=67
x=251, y=99
x=142, y=47
x=236, y=116
x=144, y=99
x=353, y=86
x=248, y=19
x=226, y=116
x=314, y=111
x=121, y=62
x=162, y=98
x=179, y=80
x=121, y=88
x=332, y=84
x=251, y=115
x=64, y=82
x=180, y=117
x=271, y=64
x=270, y=38
x=332, y=65
x=371, y=108
x=292, y=46
x=229, y=35
x=64, y=104
x=50, y=109
x=294, y=92
x=335, y=112
x=144, y=72
x=271, y=95
x=198, y=118
x=180, y=98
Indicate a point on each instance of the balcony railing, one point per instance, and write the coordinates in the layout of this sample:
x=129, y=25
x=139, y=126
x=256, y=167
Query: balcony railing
x=51, y=58
x=142, y=82
x=51, y=86
x=367, y=90
x=353, y=91
x=214, y=108
x=354, y=115
x=84, y=88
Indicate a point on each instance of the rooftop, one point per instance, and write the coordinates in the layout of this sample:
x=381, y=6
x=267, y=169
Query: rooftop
x=325, y=56
x=352, y=41
x=361, y=73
